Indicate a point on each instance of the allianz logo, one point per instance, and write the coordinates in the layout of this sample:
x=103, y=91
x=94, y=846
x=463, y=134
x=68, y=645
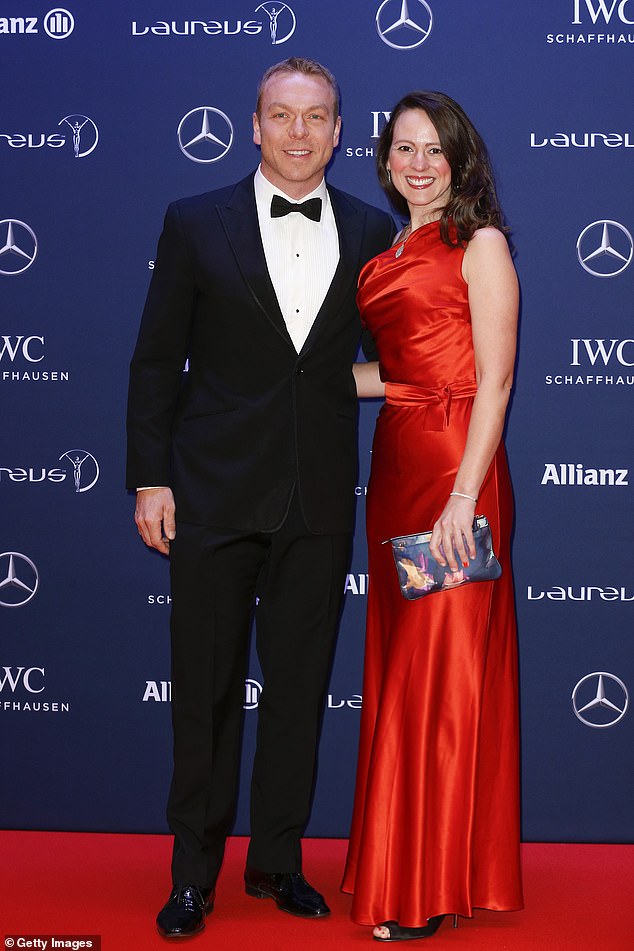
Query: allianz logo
x=18, y=25
x=580, y=593
x=582, y=140
x=574, y=473
x=160, y=691
x=58, y=24
x=356, y=584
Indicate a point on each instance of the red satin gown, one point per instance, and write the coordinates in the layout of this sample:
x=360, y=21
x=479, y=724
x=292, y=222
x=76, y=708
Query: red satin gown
x=436, y=814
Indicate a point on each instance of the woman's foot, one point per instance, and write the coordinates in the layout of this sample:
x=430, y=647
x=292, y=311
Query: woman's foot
x=392, y=931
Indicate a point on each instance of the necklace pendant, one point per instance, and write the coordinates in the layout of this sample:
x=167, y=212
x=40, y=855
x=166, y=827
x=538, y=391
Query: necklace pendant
x=399, y=251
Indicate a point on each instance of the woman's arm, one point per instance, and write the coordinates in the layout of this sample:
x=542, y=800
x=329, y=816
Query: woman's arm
x=368, y=380
x=493, y=301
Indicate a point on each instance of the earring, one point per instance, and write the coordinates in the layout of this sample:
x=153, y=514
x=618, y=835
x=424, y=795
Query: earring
x=389, y=175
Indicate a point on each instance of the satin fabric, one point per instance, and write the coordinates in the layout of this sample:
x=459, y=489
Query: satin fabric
x=436, y=814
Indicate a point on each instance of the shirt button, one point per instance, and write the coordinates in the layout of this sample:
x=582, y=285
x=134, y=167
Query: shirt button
x=299, y=371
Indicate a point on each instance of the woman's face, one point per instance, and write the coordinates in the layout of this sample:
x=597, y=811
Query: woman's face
x=420, y=171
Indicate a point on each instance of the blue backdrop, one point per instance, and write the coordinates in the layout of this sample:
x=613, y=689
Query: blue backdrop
x=109, y=112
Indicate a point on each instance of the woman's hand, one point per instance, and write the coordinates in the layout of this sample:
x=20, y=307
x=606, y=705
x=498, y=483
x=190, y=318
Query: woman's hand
x=453, y=534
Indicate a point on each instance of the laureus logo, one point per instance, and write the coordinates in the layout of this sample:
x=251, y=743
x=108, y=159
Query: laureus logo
x=84, y=467
x=85, y=134
x=282, y=21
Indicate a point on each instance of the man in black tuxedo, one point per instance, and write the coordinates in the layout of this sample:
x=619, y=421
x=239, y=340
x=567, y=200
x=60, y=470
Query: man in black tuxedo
x=245, y=468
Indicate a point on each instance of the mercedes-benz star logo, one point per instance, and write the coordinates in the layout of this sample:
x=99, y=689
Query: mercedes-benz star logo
x=600, y=700
x=19, y=579
x=196, y=139
x=90, y=472
x=605, y=248
x=273, y=10
x=82, y=126
x=401, y=31
x=20, y=243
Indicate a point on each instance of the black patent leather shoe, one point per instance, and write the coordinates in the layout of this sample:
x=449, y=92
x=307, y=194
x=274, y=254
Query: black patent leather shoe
x=183, y=915
x=289, y=890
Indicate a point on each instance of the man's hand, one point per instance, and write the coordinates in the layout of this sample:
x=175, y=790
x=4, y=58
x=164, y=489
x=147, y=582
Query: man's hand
x=155, y=518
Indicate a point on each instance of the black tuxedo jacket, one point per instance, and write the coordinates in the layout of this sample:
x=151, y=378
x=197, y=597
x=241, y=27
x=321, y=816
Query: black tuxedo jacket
x=252, y=418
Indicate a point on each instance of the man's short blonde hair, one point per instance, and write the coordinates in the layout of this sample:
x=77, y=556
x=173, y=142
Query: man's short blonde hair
x=307, y=67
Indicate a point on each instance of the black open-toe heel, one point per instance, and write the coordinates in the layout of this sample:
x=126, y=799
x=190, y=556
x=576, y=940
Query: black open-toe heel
x=399, y=933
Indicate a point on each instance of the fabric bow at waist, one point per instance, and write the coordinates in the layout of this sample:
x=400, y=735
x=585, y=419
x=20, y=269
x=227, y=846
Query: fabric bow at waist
x=436, y=400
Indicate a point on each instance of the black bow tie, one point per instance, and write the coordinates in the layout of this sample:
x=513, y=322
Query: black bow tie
x=311, y=208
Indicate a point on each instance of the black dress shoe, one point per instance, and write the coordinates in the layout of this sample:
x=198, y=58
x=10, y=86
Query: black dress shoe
x=183, y=915
x=289, y=890
x=397, y=932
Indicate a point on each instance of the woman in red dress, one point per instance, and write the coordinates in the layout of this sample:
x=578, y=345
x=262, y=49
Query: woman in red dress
x=435, y=829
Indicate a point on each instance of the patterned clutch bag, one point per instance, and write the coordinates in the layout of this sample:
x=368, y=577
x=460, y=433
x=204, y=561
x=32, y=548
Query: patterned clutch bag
x=419, y=574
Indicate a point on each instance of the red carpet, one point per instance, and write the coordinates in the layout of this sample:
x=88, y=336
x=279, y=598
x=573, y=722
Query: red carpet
x=577, y=897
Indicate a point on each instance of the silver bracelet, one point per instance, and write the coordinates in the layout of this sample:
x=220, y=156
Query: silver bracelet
x=463, y=496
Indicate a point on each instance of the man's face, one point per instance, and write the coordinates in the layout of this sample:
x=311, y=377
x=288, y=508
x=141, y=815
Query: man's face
x=296, y=131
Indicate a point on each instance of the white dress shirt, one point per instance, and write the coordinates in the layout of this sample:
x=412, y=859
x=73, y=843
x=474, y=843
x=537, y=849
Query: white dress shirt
x=301, y=256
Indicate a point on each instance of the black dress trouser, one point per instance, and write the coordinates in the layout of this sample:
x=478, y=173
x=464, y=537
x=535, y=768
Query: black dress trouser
x=299, y=579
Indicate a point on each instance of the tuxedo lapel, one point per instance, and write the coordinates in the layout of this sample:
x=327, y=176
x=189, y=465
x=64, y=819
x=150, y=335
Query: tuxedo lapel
x=240, y=221
x=350, y=228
